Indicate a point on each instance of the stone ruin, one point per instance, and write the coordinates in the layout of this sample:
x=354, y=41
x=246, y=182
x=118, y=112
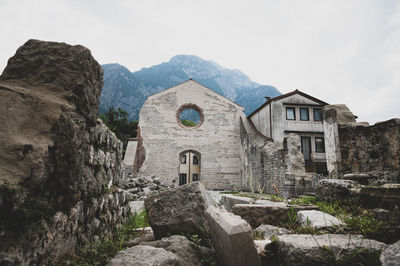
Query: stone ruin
x=63, y=184
x=59, y=165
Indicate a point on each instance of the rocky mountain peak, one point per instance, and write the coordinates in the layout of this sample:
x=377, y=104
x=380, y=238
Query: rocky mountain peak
x=129, y=90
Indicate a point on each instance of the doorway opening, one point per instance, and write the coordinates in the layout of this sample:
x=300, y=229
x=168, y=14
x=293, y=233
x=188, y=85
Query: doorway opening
x=189, y=167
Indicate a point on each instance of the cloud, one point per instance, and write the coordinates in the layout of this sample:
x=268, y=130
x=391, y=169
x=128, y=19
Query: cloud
x=340, y=51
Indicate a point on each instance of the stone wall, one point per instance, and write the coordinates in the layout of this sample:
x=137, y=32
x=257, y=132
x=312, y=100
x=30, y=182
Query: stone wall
x=59, y=166
x=353, y=147
x=272, y=167
x=372, y=149
x=216, y=139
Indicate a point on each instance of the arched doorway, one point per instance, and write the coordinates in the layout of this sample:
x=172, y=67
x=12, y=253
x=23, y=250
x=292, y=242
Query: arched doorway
x=189, y=167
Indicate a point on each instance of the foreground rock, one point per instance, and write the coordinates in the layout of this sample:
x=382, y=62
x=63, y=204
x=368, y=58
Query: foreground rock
x=59, y=165
x=267, y=231
x=182, y=247
x=391, y=255
x=302, y=250
x=179, y=211
x=318, y=219
x=145, y=256
x=273, y=213
x=231, y=238
x=337, y=189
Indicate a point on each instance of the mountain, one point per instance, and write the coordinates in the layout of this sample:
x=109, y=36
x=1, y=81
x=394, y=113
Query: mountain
x=128, y=90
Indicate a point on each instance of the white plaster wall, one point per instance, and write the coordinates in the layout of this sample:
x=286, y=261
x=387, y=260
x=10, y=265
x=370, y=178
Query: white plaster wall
x=217, y=139
x=280, y=124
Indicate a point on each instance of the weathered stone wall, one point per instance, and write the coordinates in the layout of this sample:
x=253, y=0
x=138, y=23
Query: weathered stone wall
x=59, y=167
x=353, y=147
x=372, y=149
x=217, y=139
x=273, y=167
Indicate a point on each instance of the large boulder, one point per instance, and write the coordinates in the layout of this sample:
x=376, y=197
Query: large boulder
x=391, y=255
x=145, y=256
x=179, y=211
x=58, y=163
x=302, y=250
x=186, y=251
x=337, y=189
x=70, y=68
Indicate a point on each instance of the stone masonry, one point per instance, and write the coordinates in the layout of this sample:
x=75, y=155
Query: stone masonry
x=359, y=148
x=216, y=137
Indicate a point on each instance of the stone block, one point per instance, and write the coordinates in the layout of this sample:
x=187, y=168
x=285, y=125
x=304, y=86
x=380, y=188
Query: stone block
x=391, y=255
x=359, y=178
x=231, y=238
x=178, y=211
x=231, y=200
x=269, y=230
x=318, y=219
x=302, y=250
x=180, y=246
x=145, y=256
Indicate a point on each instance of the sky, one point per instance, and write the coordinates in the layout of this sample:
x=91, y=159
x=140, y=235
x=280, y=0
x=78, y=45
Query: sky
x=340, y=51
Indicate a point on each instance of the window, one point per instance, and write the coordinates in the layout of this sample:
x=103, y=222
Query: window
x=317, y=114
x=182, y=179
x=304, y=114
x=195, y=177
x=290, y=113
x=195, y=160
x=190, y=116
x=183, y=159
x=306, y=148
x=319, y=145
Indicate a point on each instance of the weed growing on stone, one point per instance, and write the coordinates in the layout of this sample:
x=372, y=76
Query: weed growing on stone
x=305, y=200
x=203, y=246
x=99, y=253
x=258, y=235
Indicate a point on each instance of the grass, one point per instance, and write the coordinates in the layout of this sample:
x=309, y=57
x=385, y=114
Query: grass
x=99, y=253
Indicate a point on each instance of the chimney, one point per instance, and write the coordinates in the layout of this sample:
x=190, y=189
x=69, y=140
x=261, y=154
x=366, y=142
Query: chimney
x=267, y=98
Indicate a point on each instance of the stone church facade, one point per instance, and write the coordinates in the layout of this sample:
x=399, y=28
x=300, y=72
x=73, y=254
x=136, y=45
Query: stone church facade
x=177, y=154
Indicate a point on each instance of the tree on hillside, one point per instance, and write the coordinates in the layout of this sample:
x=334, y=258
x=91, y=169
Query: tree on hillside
x=116, y=120
x=188, y=123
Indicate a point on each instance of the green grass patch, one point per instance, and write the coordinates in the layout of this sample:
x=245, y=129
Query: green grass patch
x=99, y=253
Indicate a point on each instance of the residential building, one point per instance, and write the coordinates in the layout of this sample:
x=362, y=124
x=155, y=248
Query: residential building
x=299, y=113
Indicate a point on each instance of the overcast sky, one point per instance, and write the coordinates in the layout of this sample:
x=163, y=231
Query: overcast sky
x=339, y=51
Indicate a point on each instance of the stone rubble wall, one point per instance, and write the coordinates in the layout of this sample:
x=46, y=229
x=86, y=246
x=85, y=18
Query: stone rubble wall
x=353, y=147
x=59, y=166
x=272, y=166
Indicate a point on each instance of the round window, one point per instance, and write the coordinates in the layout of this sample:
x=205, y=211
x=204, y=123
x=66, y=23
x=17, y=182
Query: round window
x=190, y=116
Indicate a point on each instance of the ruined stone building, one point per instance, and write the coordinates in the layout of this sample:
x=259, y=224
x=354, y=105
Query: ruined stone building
x=275, y=149
x=179, y=154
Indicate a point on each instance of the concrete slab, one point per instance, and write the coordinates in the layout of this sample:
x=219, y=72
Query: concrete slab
x=318, y=219
x=231, y=200
x=231, y=238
